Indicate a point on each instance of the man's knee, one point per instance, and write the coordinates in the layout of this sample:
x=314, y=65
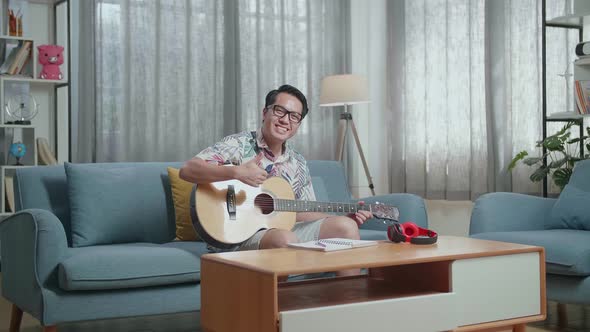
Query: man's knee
x=340, y=227
x=277, y=238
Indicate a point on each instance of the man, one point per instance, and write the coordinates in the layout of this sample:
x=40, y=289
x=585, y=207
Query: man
x=282, y=114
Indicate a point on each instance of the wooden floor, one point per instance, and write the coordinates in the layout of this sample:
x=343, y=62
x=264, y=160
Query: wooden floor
x=579, y=320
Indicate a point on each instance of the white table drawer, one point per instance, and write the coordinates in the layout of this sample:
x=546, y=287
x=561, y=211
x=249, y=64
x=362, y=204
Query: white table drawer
x=497, y=288
x=424, y=313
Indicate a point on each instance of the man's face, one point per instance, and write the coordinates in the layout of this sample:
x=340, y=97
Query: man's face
x=280, y=119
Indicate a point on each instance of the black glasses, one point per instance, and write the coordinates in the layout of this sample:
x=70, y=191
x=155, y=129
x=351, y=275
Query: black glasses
x=280, y=112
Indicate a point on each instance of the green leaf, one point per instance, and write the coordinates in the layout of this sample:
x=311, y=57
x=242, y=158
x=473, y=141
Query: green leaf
x=565, y=136
x=561, y=177
x=558, y=163
x=518, y=157
x=563, y=130
x=532, y=160
x=553, y=143
x=539, y=174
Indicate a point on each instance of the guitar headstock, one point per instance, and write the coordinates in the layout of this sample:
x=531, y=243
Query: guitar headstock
x=383, y=211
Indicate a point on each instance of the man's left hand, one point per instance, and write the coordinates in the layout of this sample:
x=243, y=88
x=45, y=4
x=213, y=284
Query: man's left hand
x=360, y=216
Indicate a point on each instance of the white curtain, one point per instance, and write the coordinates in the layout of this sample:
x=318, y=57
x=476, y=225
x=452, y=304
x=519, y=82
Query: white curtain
x=465, y=93
x=162, y=80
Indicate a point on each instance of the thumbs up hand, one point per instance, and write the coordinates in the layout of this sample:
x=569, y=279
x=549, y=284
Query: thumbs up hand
x=251, y=173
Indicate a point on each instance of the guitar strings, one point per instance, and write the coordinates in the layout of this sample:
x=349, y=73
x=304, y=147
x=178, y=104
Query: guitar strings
x=250, y=203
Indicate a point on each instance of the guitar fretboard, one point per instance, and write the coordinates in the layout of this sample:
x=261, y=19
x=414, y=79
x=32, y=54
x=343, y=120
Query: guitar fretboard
x=311, y=206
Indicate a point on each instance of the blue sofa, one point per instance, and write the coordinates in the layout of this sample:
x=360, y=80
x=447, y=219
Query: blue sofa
x=146, y=272
x=561, y=226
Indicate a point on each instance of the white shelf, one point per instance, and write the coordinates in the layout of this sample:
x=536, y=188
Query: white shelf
x=28, y=79
x=566, y=116
x=45, y=24
x=15, y=167
x=15, y=37
x=582, y=62
x=16, y=126
x=574, y=21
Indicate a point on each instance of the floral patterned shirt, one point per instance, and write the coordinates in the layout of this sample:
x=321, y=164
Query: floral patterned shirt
x=240, y=148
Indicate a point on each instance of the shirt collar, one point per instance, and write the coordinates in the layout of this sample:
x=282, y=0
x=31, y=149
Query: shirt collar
x=263, y=145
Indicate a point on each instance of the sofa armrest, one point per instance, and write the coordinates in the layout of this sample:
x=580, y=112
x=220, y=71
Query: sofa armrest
x=507, y=212
x=411, y=208
x=33, y=242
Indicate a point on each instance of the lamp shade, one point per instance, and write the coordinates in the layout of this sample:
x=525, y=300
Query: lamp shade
x=340, y=90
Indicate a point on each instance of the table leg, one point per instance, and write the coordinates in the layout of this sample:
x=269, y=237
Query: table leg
x=237, y=299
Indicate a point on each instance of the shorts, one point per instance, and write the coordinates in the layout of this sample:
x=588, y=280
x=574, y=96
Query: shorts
x=305, y=231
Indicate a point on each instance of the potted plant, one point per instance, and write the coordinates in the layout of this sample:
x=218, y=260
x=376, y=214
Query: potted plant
x=562, y=153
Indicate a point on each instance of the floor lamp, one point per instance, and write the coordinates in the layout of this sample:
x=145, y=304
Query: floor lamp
x=346, y=90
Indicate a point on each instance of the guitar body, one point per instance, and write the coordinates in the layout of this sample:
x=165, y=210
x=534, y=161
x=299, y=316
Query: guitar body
x=227, y=213
x=211, y=206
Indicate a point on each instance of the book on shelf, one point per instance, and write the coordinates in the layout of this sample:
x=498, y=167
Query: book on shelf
x=9, y=184
x=11, y=52
x=333, y=244
x=17, y=59
x=21, y=57
x=582, y=96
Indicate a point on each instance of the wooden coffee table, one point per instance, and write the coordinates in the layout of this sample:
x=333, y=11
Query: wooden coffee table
x=458, y=284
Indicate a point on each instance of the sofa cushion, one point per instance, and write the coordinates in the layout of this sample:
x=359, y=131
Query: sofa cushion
x=117, y=204
x=329, y=181
x=567, y=251
x=571, y=210
x=181, y=193
x=131, y=266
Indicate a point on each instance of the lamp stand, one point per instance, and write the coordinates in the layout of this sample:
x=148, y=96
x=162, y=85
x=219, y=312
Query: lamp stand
x=345, y=121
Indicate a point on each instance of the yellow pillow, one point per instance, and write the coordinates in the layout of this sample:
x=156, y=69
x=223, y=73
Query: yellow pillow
x=181, y=195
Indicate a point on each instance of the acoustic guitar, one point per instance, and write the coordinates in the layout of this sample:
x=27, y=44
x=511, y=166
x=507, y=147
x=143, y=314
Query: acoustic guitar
x=227, y=213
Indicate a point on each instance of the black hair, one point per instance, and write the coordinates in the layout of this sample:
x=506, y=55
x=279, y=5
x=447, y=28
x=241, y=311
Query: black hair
x=271, y=97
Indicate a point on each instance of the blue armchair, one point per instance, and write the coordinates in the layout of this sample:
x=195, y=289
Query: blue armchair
x=561, y=226
x=142, y=270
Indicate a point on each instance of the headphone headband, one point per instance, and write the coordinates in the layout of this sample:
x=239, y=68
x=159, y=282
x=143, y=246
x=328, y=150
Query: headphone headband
x=412, y=233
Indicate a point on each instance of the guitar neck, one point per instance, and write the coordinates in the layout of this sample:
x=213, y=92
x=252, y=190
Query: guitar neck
x=311, y=206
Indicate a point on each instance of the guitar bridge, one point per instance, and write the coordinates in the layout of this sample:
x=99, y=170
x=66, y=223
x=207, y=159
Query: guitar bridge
x=230, y=200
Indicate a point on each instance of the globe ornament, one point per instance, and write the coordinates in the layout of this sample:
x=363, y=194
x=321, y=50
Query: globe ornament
x=18, y=150
x=21, y=108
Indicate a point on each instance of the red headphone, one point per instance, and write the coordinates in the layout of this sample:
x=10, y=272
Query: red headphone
x=410, y=232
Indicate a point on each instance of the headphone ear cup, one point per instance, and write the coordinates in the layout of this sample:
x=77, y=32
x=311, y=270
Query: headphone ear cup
x=410, y=229
x=395, y=233
x=390, y=231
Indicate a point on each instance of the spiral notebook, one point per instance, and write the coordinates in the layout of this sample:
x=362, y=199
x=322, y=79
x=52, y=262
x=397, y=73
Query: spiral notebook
x=333, y=244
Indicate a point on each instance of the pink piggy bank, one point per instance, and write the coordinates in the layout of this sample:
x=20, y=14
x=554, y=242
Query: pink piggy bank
x=51, y=56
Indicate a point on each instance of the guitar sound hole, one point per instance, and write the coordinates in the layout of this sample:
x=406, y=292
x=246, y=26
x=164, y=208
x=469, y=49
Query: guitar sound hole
x=265, y=203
